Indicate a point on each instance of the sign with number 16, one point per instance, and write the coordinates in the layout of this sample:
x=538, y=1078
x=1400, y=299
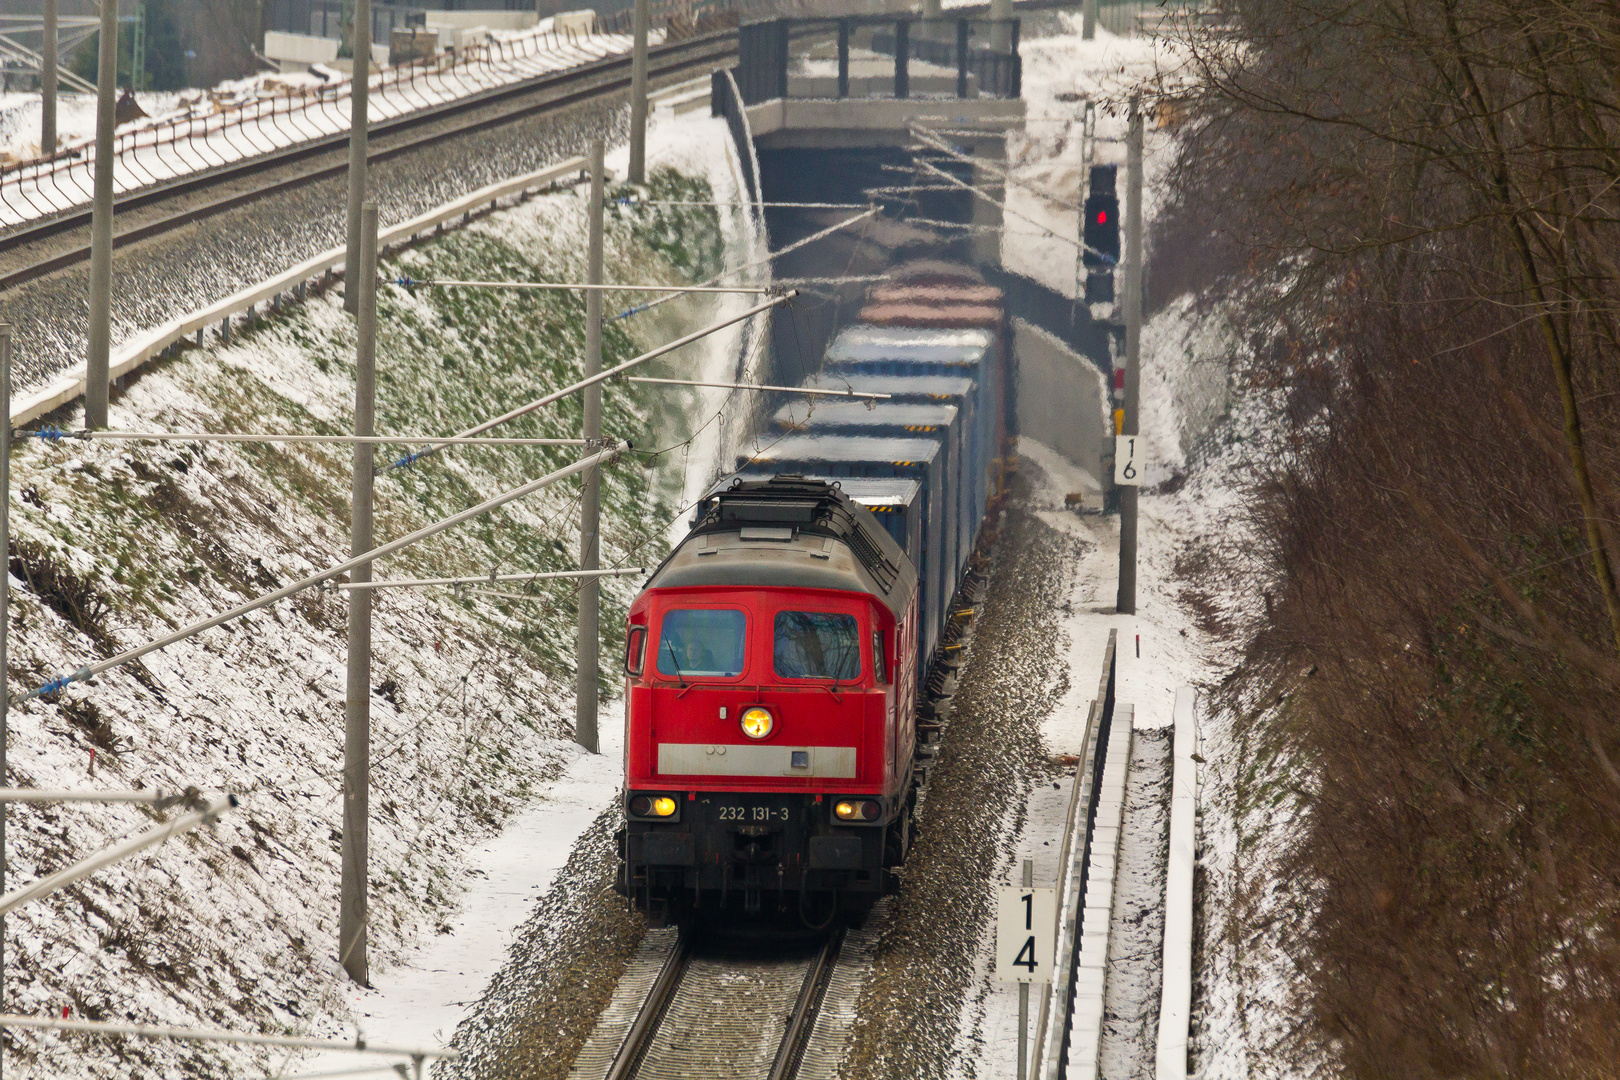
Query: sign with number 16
x=1128, y=460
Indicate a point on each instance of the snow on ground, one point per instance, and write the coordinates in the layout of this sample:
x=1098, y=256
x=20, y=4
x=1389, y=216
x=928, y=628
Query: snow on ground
x=472, y=709
x=195, y=130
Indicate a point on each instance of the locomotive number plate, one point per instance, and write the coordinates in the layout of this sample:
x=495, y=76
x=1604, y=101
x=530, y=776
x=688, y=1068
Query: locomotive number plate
x=754, y=810
x=755, y=815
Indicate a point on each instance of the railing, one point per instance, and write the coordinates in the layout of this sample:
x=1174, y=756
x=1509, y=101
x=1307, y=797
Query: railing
x=1053, y=1027
x=212, y=133
x=879, y=57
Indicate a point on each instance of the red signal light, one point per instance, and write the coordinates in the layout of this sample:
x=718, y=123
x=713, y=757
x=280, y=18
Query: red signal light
x=1102, y=217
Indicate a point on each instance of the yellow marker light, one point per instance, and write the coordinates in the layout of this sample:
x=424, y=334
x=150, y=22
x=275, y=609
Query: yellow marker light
x=663, y=806
x=756, y=722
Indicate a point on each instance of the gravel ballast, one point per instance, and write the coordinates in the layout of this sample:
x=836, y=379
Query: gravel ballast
x=925, y=970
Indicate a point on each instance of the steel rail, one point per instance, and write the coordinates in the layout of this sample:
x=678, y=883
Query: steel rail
x=706, y=49
x=802, y=1021
x=640, y=1035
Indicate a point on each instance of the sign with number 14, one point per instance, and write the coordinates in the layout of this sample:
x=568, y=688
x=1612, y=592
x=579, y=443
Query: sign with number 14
x=1024, y=928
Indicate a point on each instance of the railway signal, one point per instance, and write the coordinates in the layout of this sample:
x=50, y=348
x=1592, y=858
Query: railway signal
x=1100, y=234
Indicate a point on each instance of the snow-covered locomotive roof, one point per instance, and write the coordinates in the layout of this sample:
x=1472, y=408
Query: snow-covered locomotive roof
x=789, y=532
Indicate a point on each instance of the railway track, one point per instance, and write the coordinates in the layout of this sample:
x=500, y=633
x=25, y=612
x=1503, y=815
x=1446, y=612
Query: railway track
x=697, y=1009
x=171, y=206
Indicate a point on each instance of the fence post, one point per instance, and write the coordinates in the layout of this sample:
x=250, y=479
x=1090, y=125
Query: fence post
x=585, y=692
x=359, y=91
x=357, y=705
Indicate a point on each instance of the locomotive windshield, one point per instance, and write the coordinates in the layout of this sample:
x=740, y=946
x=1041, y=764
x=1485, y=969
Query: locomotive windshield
x=701, y=641
x=817, y=645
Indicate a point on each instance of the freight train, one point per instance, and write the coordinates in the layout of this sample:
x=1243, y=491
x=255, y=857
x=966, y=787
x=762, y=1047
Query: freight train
x=774, y=661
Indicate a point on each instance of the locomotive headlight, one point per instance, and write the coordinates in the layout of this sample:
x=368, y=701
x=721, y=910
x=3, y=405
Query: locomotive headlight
x=756, y=722
x=653, y=806
x=856, y=810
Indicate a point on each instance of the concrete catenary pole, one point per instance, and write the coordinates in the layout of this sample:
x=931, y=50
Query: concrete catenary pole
x=101, y=223
x=590, y=506
x=638, y=98
x=1133, y=352
x=357, y=706
x=360, y=40
x=5, y=617
x=1088, y=21
x=47, y=83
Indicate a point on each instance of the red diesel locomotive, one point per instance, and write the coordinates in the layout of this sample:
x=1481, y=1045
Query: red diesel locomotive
x=771, y=685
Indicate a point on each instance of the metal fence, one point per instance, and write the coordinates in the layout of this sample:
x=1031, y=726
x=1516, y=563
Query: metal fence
x=879, y=57
x=212, y=133
x=324, y=18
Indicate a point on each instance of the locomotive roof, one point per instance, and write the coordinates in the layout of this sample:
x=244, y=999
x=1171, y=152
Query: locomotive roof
x=903, y=387
x=864, y=490
x=854, y=414
x=844, y=448
x=790, y=532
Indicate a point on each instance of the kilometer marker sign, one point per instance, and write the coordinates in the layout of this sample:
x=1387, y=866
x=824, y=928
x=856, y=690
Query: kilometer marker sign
x=1025, y=919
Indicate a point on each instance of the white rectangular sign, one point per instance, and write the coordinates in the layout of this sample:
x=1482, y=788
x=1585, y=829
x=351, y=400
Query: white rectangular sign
x=1127, y=460
x=1025, y=919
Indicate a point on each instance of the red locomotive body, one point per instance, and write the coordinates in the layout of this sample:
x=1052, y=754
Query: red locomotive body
x=770, y=694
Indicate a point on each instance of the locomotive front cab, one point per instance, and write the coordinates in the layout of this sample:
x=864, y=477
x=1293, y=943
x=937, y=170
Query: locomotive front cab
x=768, y=731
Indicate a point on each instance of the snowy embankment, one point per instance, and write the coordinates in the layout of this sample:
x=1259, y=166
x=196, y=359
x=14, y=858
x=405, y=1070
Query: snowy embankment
x=472, y=696
x=1204, y=440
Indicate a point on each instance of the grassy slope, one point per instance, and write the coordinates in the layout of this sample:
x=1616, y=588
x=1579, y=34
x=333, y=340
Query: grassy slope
x=472, y=697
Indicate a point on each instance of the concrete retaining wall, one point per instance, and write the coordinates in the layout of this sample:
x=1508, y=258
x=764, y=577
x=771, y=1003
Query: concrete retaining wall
x=1062, y=398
